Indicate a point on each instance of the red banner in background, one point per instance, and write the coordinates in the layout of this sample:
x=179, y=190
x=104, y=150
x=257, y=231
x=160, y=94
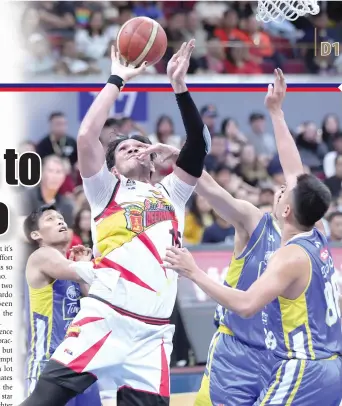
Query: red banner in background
x=215, y=263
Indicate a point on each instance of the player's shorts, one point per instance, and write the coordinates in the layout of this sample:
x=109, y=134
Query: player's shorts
x=304, y=383
x=128, y=354
x=235, y=373
x=91, y=396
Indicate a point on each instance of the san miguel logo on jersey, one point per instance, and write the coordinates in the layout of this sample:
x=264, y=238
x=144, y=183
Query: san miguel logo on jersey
x=152, y=211
x=134, y=218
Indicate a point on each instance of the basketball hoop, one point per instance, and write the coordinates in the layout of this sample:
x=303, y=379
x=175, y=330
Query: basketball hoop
x=285, y=10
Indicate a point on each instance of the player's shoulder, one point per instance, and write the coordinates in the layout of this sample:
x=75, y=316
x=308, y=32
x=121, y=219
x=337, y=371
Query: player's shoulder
x=290, y=256
x=41, y=253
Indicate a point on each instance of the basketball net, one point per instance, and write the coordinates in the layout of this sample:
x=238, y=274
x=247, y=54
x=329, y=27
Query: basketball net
x=285, y=10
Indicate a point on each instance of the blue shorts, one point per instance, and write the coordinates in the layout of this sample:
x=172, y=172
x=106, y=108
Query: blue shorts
x=235, y=373
x=90, y=397
x=304, y=383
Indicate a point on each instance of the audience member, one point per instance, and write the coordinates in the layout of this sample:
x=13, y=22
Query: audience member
x=80, y=33
x=93, y=41
x=47, y=192
x=335, y=226
x=82, y=229
x=218, y=232
x=58, y=142
x=198, y=217
x=330, y=158
x=310, y=147
x=263, y=142
x=334, y=183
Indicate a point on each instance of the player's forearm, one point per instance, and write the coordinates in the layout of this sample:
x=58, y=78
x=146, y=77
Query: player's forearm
x=231, y=299
x=234, y=211
x=198, y=140
x=94, y=120
x=290, y=159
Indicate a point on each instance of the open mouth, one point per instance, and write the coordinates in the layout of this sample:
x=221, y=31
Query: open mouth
x=63, y=229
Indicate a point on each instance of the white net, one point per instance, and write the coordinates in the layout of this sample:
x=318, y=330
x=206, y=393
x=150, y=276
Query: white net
x=285, y=10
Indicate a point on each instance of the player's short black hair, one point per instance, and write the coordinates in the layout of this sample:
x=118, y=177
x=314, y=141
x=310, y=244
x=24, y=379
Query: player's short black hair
x=110, y=153
x=311, y=200
x=56, y=114
x=31, y=221
x=110, y=122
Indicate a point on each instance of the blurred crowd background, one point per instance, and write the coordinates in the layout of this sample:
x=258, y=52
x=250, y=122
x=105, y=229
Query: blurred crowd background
x=73, y=37
x=244, y=163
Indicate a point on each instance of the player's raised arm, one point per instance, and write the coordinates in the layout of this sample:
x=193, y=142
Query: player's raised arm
x=289, y=157
x=237, y=212
x=91, y=156
x=190, y=162
x=52, y=264
x=282, y=271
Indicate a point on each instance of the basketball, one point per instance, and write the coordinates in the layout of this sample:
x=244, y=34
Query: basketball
x=142, y=39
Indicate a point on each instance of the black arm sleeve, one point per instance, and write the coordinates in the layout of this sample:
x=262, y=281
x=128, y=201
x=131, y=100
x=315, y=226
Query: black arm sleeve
x=198, y=140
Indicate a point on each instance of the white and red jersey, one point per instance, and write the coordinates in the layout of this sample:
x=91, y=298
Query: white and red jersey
x=134, y=223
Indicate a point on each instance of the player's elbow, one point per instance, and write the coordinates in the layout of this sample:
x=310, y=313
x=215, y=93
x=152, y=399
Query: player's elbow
x=84, y=140
x=247, y=311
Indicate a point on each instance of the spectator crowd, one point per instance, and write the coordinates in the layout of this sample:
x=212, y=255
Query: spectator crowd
x=74, y=38
x=245, y=164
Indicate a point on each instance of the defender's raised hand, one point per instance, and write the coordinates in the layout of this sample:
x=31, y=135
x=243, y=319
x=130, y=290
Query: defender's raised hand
x=178, y=65
x=276, y=93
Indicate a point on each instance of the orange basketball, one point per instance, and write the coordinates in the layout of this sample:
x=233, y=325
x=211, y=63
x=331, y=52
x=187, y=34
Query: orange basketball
x=142, y=39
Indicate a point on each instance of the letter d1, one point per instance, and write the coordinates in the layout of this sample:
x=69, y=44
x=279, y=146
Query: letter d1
x=325, y=48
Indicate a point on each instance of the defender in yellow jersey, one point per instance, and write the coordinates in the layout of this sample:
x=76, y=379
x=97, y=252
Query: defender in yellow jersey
x=53, y=294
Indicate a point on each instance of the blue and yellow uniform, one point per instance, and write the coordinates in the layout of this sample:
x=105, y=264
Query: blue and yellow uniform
x=238, y=366
x=307, y=336
x=50, y=311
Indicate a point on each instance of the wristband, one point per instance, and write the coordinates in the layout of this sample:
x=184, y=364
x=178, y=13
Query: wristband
x=117, y=81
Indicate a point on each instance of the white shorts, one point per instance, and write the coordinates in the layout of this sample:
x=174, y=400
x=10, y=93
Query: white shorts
x=120, y=351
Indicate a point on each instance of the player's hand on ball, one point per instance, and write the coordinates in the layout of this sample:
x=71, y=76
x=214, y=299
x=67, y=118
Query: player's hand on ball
x=276, y=93
x=178, y=65
x=80, y=253
x=180, y=260
x=120, y=69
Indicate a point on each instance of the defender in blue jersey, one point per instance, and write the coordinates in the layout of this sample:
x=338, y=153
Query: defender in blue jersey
x=300, y=290
x=297, y=293
x=239, y=365
x=53, y=295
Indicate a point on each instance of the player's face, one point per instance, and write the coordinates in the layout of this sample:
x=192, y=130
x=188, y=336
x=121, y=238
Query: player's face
x=52, y=229
x=280, y=203
x=127, y=162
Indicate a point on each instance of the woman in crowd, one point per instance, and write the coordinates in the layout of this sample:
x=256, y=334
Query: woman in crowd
x=81, y=230
x=199, y=216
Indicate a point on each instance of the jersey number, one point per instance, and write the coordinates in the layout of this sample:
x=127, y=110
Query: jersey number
x=332, y=298
x=176, y=236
